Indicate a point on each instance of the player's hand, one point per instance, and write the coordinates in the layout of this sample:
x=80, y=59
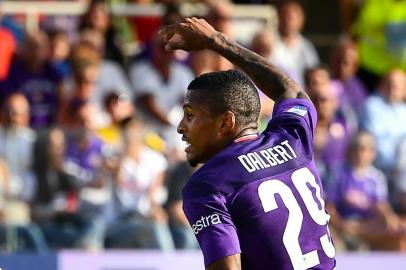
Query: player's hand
x=191, y=34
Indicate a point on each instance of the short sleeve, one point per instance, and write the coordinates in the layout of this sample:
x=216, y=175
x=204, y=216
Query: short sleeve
x=291, y=113
x=210, y=222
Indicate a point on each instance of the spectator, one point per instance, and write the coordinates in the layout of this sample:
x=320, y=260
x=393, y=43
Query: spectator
x=345, y=66
x=109, y=74
x=139, y=219
x=160, y=84
x=181, y=232
x=16, y=146
x=59, y=51
x=118, y=108
x=382, y=115
x=147, y=26
x=32, y=75
x=319, y=77
x=358, y=200
x=54, y=206
x=292, y=51
x=263, y=43
x=84, y=77
x=332, y=132
x=219, y=16
x=81, y=223
x=97, y=17
x=18, y=185
x=54, y=184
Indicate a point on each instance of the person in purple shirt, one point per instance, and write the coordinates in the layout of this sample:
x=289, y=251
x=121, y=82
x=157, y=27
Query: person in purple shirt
x=256, y=202
x=358, y=201
x=31, y=75
x=344, y=62
x=333, y=132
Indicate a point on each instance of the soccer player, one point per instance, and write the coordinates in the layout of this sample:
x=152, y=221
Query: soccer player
x=256, y=203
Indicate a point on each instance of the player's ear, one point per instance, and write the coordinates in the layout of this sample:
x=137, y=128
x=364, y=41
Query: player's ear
x=227, y=123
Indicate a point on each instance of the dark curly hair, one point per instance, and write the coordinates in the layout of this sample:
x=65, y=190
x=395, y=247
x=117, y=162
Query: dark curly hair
x=229, y=90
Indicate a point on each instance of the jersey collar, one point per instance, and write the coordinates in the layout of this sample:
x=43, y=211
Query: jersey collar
x=247, y=137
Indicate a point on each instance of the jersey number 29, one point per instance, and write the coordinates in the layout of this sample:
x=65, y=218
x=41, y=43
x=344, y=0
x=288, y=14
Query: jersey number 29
x=301, y=178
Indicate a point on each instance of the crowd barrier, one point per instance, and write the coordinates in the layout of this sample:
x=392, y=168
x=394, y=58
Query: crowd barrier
x=154, y=260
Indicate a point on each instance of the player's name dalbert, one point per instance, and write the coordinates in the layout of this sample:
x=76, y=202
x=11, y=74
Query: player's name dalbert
x=269, y=157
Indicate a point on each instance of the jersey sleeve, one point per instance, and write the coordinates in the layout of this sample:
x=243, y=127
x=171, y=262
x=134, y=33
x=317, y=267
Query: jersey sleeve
x=291, y=114
x=210, y=221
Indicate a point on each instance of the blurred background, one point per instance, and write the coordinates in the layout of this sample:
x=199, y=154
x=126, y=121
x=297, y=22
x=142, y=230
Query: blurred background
x=91, y=166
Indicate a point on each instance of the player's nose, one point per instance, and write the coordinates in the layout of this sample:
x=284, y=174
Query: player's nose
x=180, y=129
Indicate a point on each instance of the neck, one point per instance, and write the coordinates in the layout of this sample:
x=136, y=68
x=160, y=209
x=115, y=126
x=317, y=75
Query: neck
x=290, y=38
x=246, y=134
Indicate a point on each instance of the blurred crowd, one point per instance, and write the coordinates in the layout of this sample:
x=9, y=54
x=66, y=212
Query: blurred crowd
x=90, y=157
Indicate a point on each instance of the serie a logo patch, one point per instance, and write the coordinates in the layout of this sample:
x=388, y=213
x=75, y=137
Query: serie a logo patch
x=300, y=110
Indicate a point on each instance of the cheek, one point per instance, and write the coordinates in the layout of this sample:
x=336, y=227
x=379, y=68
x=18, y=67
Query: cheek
x=203, y=133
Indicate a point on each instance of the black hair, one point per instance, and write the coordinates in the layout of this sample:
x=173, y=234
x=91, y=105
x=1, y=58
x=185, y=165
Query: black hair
x=110, y=98
x=228, y=90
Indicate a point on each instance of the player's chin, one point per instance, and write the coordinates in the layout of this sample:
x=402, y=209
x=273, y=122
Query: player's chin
x=192, y=159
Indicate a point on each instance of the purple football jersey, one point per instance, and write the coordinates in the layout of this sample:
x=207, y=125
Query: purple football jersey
x=40, y=88
x=355, y=195
x=262, y=198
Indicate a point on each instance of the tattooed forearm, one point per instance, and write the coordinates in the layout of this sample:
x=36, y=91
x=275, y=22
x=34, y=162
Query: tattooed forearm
x=270, y=79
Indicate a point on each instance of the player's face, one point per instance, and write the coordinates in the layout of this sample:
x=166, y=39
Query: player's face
x=201, y=131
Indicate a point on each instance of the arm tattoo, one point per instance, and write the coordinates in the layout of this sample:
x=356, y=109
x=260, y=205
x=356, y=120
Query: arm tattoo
x=270, y=79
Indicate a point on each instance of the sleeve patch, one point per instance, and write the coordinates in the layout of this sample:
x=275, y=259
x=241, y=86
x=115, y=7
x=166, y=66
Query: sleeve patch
x=300, y=110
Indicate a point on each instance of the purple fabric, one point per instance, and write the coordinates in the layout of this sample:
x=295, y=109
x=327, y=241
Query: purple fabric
x=40, y=89
x=334, y=151
x=88, y=158
x=356, y=195
x=353, y=93
x=223, y=205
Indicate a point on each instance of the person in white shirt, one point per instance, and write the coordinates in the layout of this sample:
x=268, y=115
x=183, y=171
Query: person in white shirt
x=160, y=84
x=139, y=219
x=16, y=146
x=383, y=115
x=293, y=52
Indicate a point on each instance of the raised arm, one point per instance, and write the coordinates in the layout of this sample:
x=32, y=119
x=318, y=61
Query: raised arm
x=194, y=34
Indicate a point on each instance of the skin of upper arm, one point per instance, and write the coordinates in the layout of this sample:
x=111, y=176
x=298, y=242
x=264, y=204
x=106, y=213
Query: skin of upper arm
x=232, y=262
